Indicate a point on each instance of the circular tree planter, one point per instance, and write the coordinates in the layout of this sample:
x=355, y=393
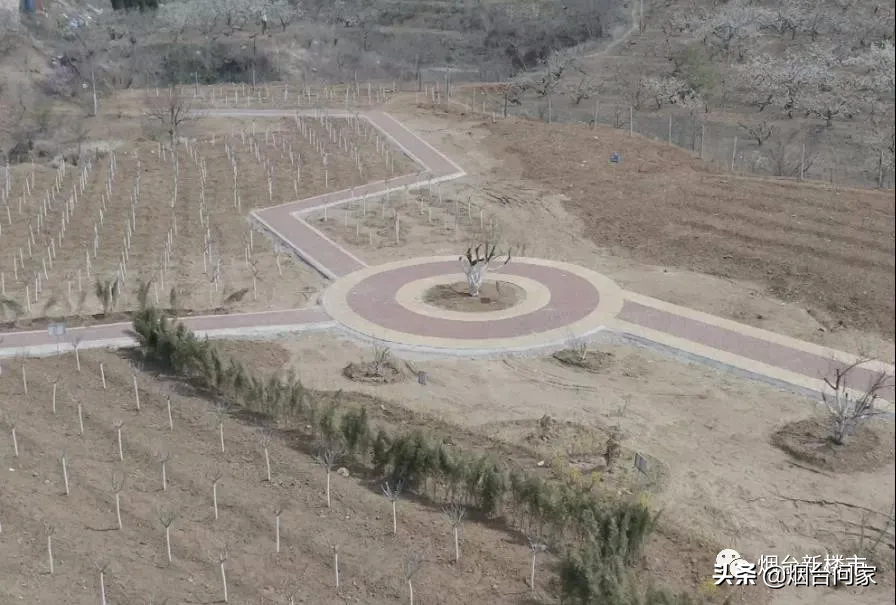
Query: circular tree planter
x=493, y=296
x=808, y=440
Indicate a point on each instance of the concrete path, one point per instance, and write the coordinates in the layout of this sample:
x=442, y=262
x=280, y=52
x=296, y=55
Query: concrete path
x=375, y=302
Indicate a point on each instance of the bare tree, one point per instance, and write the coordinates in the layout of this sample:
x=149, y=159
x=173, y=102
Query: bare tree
x=847, y=408
x=118, y=480
x=327, y=457
x=476, y=264
x=166, y=518
x=101, y=567
x=412, y=565
x=170, y=110
x=264, y=438
x=732, y=29
x=759, y=131
x=221, y=410
x=455, y=513
x=392, y=492
x=536, y=545
x=222, y=555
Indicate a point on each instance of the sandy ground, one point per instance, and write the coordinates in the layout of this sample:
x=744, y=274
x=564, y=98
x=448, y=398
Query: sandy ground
x=501, y=199
x=245, y=282
x=723, y=482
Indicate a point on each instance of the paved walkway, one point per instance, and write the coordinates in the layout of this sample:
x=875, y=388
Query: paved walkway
x=384, y=303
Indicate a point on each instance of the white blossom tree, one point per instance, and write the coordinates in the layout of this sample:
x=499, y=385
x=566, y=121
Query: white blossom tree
x=732, y=29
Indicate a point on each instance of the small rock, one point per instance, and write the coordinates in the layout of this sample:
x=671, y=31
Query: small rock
x=342, y=471
x=540, y=463
x=760, y=316
x=821, y=329
x=46, y=480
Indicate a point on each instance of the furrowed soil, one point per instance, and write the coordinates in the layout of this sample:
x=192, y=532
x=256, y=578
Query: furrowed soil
x=706, y=500
x=216, y=260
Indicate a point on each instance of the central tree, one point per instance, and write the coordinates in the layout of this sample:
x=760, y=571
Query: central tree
x=475, y=265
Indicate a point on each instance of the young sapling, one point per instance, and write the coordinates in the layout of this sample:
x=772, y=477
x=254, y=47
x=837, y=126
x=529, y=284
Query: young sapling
x=336, y=563
x=223, y=555
x=455, y=513
x=221, y=409
x=393, y=493
x=168, y=408
x=536, y=545
x=136, y=390
x=64, y=473
x=327, y=458
x=49, y=530
x=412, y=565
x=118, y=425
x=265, y=438
x=118, y=485
x=166, y=518
x=277, y=512
x=163, y=460
x=76, y=343
x=101, y=567
x=215, y=477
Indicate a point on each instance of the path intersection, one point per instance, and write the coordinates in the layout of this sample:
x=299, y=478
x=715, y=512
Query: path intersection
x=385, y=303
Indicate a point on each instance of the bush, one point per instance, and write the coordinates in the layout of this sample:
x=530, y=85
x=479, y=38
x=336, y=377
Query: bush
x=613, y=531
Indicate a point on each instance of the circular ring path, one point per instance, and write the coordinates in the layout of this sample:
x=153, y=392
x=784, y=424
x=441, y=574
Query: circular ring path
x=385, y=303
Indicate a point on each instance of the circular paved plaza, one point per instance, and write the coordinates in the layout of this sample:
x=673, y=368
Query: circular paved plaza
x=386, y=303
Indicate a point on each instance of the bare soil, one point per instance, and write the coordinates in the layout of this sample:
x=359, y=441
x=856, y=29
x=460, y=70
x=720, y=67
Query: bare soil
x=707, y=436
x=704, y=498
x=824, y=247
x=617, y=221
x=809, y=440
x=592, y=361
x=373, y=372
x=493, y=296
x=673, y=414
x=250, y=281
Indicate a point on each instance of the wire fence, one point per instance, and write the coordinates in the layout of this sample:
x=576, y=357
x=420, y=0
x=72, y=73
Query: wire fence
x=721, y=143
x=279, y=95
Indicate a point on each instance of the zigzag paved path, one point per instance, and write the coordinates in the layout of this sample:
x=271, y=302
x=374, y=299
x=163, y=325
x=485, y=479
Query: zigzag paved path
x=760, y=354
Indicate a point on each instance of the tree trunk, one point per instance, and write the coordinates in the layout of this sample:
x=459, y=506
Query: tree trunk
x=93, y=86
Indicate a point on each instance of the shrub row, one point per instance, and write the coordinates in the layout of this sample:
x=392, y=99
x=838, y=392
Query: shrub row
x=603, y=535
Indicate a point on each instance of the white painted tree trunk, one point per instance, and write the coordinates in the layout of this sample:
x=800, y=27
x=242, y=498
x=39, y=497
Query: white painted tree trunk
x=475, y=276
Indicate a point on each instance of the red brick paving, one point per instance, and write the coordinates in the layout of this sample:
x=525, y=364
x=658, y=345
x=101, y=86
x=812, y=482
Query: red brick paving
x=292, y=317
x=771, y=353
x=572, y=298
